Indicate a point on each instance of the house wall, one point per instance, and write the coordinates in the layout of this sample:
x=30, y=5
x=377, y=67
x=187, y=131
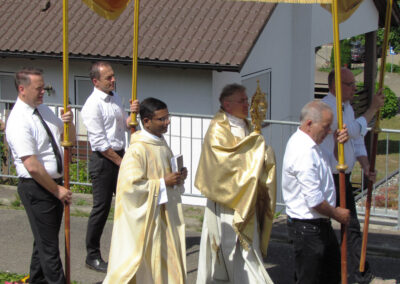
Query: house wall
x=365, y=19
x=187, y=91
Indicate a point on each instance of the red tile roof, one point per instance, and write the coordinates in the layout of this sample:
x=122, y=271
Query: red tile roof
x=214, y=34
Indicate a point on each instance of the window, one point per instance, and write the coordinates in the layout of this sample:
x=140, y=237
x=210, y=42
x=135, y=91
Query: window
x=83, y=88
x=7, y=87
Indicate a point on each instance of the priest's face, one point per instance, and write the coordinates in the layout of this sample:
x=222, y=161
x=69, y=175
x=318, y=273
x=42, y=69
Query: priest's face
x=158, y=124
x=237, y=105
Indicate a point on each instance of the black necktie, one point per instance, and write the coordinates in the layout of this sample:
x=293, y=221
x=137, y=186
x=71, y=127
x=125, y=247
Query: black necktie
x=52, y=141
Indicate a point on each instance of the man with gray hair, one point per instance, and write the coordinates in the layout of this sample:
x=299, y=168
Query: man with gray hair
x=309, y=194
x=354, y=151
x=236, y=173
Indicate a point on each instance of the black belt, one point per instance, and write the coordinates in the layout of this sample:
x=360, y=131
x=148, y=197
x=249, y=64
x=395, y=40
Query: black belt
x=310, y=221
x=57, y=180
x=119, y=152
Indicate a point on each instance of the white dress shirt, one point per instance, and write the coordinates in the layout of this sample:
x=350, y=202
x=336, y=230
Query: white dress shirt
x=239, y=126
x=357, y=128
x=162, y=196
x=306, y=177
x=26, y=136
x=105, y=120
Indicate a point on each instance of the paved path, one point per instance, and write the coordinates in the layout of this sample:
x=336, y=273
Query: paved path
x=16, y=245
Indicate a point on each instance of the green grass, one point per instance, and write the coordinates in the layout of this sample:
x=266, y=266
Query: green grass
x=325, y=69
x=392, y=161
x=14, y=277
x=17, y=202
x=79, y=213
x=10, y=277
x=355, y=71
x=81, y=202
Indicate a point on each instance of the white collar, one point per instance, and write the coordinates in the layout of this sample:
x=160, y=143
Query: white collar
x=151, y=136
x=27, y=108
x=236, y=121
x=102, y=95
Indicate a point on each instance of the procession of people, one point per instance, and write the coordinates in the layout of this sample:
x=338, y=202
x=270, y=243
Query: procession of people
x=236, y=173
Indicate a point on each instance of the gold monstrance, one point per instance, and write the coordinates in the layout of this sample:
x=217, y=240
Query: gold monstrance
x=258, y=109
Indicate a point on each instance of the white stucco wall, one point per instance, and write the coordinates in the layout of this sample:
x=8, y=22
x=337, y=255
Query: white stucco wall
x=187, y=91
x=365, y=19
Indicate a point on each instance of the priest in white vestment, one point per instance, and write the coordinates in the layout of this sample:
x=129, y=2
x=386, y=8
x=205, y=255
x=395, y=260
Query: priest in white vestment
x=148, y=238
x=237, y=175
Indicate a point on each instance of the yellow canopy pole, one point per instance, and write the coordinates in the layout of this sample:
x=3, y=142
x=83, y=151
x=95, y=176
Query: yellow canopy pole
x=376, y=131
x=133, y=122
x=341, y=163
x=66, y=143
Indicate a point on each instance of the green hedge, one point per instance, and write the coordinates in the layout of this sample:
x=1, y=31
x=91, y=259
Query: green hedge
x=81, y=176
x=391, y=106
x=345, y=54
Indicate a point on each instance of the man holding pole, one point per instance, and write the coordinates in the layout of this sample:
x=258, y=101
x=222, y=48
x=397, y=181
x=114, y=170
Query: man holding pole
x=309, y=193
x=106, y=123
x=33, y=133
x=354, y=150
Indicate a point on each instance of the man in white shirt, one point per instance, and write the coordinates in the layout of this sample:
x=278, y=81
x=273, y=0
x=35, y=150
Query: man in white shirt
x=106, y=123
x=309, y=194
x=33, y=133
x=354, y=150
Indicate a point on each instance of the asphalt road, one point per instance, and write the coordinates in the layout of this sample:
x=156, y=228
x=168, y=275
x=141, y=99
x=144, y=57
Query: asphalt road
x=16, y=248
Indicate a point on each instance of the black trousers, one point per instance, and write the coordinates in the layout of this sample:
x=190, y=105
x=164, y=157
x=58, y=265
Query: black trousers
x=354, y=237
x=316, y=251
x=45, y=213
x=104, y=174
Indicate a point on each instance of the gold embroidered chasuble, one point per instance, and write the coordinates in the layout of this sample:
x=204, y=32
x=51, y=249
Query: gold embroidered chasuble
x=148, y=240
x=240, y=175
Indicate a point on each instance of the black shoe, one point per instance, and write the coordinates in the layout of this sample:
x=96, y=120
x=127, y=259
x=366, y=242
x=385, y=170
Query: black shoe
x=97, y=264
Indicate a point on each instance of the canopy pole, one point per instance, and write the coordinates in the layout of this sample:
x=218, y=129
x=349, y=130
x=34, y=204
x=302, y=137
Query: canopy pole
x=341, y=163
x=66, y=144
x=376, y=131
x=134, y=122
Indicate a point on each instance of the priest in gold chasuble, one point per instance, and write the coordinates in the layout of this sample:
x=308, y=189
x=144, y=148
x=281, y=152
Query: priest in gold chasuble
x=237, y=174
x=148, y=238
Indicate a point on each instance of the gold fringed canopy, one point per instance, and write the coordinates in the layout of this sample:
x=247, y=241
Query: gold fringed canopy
x=345, y=7
x=109, y=9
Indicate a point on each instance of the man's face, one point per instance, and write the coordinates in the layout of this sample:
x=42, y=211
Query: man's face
x=158, y=124
x=319, y=130
x=237, y=105
x=106, y=82
x=33, y=93
x=348, y=85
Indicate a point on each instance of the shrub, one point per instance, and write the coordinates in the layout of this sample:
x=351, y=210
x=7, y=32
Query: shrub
x=345, y=54
x=391, y=106
x=81, y=176
x=392, y=68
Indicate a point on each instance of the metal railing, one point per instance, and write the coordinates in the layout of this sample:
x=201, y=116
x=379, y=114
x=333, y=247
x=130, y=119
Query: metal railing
x=185, y=136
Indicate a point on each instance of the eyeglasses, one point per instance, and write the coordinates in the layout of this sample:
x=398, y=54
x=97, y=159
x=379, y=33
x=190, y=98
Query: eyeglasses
x=242, y=101
x=164, y=118
x=350, y=84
